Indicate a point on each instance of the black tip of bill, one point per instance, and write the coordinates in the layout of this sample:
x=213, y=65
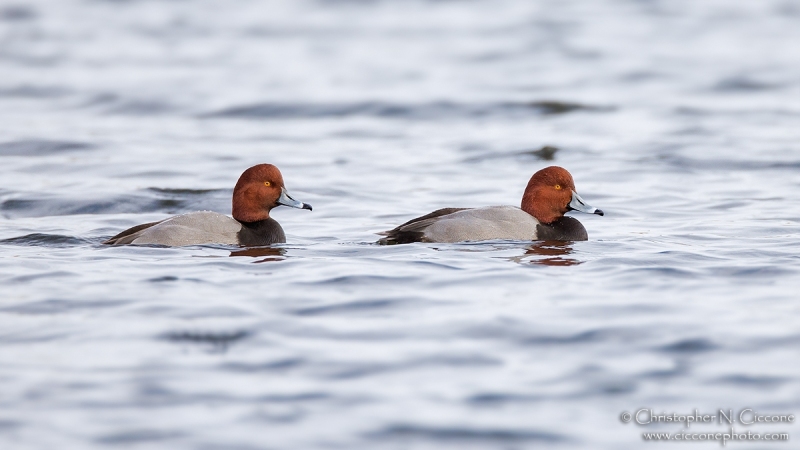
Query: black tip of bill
x=308, y=207
x=599, y=212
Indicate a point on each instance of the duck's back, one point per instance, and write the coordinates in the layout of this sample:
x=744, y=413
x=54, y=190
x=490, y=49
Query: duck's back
x=482, y=224
x=473, y=224
x=195, y=228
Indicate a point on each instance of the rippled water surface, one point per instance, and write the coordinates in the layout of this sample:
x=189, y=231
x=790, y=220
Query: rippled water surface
x=680, y=119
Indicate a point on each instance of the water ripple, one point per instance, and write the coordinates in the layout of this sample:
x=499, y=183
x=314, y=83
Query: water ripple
x=472, y=435
x=37, y=147
x=438, y=110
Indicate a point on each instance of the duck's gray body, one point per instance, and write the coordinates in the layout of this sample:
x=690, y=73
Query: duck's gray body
x=201, y=227
x=483, y=224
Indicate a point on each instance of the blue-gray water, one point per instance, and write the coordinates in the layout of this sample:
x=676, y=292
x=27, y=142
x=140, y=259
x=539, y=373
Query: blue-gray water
x=680, y=119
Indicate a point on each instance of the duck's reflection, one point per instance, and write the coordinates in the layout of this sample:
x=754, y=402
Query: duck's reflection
x=271, y=253
x=554, y=253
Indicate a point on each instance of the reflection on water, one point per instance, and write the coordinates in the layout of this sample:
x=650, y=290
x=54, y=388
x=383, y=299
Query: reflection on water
x=273, y=254
x=548, y=253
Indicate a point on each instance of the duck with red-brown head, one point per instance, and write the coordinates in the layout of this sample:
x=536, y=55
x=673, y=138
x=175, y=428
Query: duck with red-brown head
x=259, y=190
x=550, y=194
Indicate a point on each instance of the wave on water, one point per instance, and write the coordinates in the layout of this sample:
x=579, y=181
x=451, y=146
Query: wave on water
x=40, y=147
x=163, y=200
x=45, y=240
x=467, y=435
x=389, y=110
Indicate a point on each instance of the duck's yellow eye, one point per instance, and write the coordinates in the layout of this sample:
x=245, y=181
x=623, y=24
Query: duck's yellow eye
x=558, y=187
x=267, y=183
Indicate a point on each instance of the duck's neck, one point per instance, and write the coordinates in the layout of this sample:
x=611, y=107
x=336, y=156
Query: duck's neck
x=539, y=208
x=261, y=232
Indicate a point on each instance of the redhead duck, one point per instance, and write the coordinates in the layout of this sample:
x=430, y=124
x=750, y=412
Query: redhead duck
x=259, y=189
x=550, y=193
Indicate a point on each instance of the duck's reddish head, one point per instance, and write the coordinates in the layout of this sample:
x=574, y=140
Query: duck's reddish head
x=259, y=189
x=551, y=193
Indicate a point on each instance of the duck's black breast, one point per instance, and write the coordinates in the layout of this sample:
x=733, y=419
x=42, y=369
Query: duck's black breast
x=563, y=229
x=263, y=232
